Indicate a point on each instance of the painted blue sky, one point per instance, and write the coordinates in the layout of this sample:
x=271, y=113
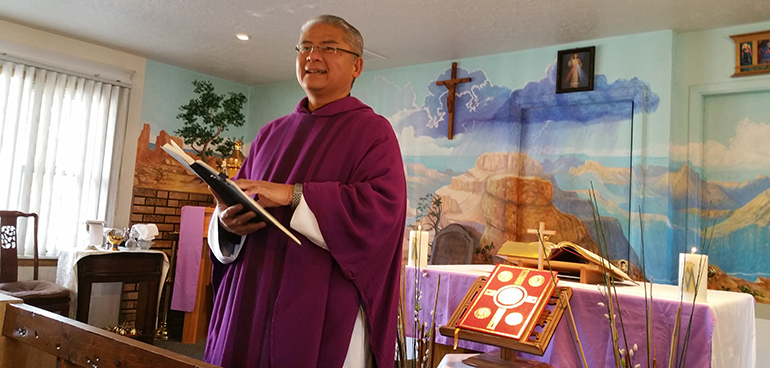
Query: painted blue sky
x=483, y=113
x=482, y=101
x=734, y=144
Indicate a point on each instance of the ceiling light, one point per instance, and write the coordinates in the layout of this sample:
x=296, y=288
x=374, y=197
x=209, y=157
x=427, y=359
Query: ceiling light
x=242, y=36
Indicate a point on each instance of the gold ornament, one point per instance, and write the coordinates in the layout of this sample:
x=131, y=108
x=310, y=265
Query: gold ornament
x=232, y=163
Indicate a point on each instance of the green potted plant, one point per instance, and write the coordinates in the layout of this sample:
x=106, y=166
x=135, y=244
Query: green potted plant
x=207, y=117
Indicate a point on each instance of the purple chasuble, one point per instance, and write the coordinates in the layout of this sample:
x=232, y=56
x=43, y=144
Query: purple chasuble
x=285, y=305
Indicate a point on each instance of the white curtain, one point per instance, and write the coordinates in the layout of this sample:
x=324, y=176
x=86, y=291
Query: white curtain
x=58, y=154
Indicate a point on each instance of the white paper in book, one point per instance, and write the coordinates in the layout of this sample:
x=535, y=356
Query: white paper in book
x=179, y=154
x=556, y=252
x=230, y=193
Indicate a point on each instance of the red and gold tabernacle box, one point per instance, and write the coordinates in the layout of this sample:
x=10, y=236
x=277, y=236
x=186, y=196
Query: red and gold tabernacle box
x=510, y=302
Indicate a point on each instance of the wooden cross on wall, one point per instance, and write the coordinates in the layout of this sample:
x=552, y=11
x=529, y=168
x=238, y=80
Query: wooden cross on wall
x=450, y=84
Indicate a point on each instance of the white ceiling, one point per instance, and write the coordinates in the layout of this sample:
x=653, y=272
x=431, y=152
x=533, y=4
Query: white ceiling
x=200, y=34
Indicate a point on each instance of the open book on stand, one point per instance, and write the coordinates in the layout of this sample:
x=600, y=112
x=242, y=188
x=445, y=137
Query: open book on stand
x=230, y=193
x=566, y=257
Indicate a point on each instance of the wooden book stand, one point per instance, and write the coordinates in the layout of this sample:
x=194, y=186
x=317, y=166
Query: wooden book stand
x=587, y=272
x=536, y=344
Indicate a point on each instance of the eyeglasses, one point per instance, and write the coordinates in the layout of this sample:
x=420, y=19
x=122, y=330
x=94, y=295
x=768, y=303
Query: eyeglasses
x=323, y=50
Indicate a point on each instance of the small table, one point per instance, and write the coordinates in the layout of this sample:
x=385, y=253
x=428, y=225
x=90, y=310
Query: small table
x=147, y=268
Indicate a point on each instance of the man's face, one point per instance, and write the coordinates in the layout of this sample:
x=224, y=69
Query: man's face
x=326, y=77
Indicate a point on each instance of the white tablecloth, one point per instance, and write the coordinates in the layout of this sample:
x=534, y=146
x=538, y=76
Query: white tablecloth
x=454, y=361
x=67, y=271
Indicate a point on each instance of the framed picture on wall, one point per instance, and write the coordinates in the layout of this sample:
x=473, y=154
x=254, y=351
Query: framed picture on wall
x=575, y=70
x=752, y=53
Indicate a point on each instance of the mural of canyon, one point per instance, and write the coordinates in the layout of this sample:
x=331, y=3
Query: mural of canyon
x=155, y=169
x=521, y=156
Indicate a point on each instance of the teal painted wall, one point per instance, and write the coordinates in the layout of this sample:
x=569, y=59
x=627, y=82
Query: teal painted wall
x=703, y=58
x=646, y=56
x=167, y=87
x=272, y=101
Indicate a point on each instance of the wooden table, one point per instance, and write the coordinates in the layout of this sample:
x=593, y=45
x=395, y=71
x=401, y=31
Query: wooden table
x=144, y=268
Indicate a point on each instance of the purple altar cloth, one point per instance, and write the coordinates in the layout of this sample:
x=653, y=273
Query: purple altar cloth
x=593, y=327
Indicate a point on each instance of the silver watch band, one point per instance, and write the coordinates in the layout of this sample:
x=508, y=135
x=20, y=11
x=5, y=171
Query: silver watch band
x=297, y=196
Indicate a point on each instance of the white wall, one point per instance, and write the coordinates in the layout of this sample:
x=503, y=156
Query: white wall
x=73, y=48
x=43, y=273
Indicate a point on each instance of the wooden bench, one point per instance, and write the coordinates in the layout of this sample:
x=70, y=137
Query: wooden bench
x=35, y=338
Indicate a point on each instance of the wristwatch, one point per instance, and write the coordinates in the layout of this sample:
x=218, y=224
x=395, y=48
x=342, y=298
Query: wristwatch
x=297, y=196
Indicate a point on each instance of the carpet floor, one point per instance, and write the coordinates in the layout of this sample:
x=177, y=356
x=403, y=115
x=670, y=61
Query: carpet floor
x=191, y=350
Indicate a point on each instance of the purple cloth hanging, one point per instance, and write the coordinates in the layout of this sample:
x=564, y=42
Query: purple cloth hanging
x=188, y=258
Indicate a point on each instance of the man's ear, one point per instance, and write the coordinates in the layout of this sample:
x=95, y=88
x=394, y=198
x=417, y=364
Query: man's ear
x=358, y=67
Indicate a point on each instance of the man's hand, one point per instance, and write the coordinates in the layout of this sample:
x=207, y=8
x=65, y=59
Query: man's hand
x=268, y=195
x=234, y=223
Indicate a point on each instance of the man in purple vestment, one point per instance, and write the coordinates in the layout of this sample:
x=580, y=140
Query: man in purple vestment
x=332, y=170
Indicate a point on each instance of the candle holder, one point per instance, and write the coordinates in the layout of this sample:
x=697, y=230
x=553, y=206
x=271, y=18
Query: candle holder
x=161, y=332
x=418, y=248
x=693, y=273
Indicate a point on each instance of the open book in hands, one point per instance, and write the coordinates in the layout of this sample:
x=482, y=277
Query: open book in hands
x=230, y=193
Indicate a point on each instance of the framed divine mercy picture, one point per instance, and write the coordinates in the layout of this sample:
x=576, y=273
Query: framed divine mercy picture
x=575, y=70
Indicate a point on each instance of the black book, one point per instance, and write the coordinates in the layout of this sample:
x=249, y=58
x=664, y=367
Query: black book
x=230, y=193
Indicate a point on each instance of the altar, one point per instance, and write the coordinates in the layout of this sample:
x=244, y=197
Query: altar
x=722, y=331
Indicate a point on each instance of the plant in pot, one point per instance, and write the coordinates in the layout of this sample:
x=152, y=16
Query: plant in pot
x=207, y=117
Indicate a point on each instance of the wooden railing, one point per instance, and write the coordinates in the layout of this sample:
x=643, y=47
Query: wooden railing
x=35, y=338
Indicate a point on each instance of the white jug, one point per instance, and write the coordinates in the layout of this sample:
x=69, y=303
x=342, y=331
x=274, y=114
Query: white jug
x=95, y=230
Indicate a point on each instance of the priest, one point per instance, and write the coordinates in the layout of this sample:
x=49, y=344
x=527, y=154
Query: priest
x=332, y=170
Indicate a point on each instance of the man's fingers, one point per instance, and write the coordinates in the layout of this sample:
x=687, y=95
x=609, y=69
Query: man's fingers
x=231, y=212
x=244, y=228
x=231, y=217
x=243, y=219
x=252, y=227
x=250, y=187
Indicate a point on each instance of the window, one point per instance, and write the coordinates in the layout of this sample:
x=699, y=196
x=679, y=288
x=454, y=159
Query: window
x=57, y=151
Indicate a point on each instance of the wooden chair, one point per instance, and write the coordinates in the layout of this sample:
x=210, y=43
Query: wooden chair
x=452, y=245
x=42, y=294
